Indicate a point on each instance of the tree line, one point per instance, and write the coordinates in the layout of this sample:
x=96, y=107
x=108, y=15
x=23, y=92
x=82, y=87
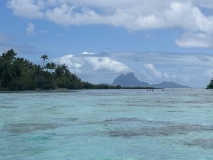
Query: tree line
x=20, y=74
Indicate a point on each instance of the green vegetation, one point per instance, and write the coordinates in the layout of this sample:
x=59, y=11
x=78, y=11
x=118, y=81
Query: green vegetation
x=210, y=86
x=21, y=74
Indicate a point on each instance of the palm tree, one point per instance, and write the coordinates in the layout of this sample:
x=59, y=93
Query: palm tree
x=19, y=67
x=58, y=71
x=53, y=65
x=64, y=68
x=37, y=69
x=6, y=73
x=9, y=55
x=44, y=57
x=74, y=77
x=48, y=66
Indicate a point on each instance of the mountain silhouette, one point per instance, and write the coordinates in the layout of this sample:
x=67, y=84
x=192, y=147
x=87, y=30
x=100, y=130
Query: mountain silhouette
x=130, y=80
x=168, y=85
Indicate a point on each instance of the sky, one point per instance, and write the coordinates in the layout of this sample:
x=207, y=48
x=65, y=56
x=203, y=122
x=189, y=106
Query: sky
x=158, y=40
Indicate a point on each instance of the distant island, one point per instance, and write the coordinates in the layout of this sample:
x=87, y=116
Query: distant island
x=210, y=85
x=20, y=74
x=130, y=80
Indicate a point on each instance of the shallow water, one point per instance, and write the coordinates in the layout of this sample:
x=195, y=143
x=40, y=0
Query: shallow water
x=107, y=125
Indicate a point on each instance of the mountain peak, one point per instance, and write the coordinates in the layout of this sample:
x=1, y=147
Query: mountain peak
x=169, y=85
x=130, y=74
x=129, y=80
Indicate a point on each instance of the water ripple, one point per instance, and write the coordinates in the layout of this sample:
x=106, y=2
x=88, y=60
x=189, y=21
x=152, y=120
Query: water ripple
x=20, y=128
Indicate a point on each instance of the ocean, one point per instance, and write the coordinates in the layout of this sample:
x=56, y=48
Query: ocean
x=174, y=124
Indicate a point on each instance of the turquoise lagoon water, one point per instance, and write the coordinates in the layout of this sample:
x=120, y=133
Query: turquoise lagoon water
x=107, y=125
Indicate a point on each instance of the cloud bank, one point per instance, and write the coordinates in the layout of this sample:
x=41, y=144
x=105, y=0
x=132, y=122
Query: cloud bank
x=151, y=70
x=91, y=65
x=192, y=70
x=131, y=14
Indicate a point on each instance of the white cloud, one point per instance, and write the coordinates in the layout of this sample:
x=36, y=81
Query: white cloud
x=27, y=8
x=188, y=17
x=30, y=29
x=85, y=62
x=200, y=40
x=150, y=69
x=86, y=53
x=93, y=68
x=65, y=15
x=209, y=73
x=130, y=14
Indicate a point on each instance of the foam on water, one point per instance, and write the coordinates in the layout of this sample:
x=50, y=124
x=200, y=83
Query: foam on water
x=107, y=124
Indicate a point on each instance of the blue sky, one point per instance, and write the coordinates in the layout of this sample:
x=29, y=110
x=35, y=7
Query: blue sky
x=169, y=40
